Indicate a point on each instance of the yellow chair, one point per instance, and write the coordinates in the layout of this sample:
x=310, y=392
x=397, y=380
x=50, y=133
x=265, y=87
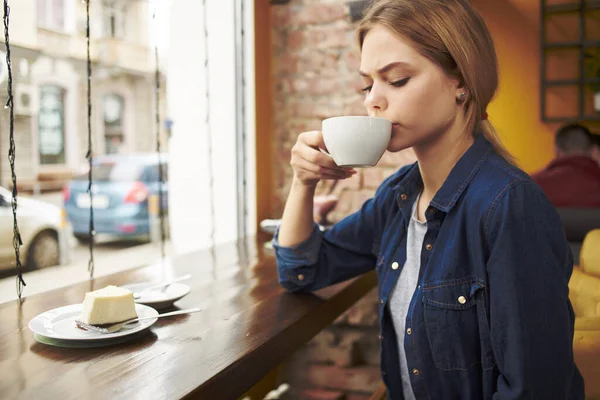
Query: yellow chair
x=589, y=258
x=584, y=292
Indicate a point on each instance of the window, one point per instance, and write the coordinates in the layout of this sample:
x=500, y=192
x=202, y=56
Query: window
x=51, y=14
x=113, y=123
x=51, y=125
x=114, y=20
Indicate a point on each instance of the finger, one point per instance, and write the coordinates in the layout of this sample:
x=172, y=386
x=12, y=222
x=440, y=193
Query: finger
x=333, y=177
x=314, y=139
x=317, y=157
x=318, y=170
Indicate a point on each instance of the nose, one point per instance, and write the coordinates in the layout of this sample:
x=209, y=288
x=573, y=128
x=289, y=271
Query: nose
x=375, y=102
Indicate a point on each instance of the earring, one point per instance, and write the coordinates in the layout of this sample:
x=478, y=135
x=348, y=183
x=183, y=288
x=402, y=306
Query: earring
x=463, y=96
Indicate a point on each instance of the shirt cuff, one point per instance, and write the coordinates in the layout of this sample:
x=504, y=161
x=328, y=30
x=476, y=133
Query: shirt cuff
x=305, y=253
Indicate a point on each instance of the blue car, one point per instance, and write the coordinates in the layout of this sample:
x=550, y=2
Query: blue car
x=123, y=185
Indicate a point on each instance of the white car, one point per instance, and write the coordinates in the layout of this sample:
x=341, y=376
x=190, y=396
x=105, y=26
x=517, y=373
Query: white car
x=44, y=233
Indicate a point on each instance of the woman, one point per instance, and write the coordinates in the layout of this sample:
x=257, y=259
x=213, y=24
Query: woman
x=471, y=258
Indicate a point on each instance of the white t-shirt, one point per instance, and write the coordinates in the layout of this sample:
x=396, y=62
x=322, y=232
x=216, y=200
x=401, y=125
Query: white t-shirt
x=404, y=290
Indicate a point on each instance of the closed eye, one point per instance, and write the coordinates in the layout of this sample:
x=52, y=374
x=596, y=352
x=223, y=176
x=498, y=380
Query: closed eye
x=400, y=83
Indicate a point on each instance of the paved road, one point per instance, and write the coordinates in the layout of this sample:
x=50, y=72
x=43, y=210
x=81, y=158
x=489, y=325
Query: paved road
x=110, y=256
x=79, y=253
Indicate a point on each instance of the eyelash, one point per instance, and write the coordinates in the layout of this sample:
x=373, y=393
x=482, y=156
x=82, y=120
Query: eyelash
x=399, y=83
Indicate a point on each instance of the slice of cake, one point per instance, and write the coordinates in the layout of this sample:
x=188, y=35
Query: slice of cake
x=108, y=306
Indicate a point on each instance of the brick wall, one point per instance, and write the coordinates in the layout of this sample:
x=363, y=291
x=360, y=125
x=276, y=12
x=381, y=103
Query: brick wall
x=315, y=73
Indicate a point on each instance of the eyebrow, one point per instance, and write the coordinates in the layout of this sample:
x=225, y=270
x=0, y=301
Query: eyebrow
x=386, y=68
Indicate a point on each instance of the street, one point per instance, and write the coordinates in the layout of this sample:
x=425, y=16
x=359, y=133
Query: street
x=103, y=245
x=110, y=256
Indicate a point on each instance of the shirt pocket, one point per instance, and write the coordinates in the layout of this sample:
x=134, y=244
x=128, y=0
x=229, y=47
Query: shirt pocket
x=456, y=324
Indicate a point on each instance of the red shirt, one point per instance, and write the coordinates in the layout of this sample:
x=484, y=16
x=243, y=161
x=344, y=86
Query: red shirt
x=571, y=181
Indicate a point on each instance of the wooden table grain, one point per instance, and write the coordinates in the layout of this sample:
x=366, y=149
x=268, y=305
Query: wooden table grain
x=248, y=326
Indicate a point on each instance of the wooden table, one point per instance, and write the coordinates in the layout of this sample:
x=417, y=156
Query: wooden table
x=248, y=326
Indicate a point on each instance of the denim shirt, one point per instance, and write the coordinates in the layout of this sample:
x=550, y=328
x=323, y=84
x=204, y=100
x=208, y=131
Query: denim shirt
x=490, y=317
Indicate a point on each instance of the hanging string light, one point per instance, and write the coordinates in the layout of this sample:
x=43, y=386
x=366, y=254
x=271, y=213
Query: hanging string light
x=208, y=130
x=241, y=122
x=161, y=178
x=244, y=138
x=90, y=155
x=17, y=242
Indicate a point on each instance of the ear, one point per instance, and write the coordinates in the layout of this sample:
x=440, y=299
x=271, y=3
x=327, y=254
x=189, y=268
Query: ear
x=457, y=84
x=461, y=95
x=558, y=151
x=461, y=92
x=596, y=153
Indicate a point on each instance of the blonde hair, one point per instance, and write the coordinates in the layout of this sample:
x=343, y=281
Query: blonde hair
x=454, y=36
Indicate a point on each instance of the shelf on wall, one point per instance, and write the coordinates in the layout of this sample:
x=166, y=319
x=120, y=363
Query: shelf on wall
x=563, y=45
x=585, y=118
x=566, y=82
x=571, y=7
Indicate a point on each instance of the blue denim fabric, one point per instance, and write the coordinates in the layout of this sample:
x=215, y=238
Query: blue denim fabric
x=490, y=317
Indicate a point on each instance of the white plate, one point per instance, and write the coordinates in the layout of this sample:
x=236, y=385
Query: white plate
x=159, y=298
x=59, y=323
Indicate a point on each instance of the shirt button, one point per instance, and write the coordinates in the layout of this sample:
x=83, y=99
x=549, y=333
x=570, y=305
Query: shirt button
x=381, y=301
x=382, y=372
x=409, y=331
x=428, y=246
x=380, y=337
x=300, y=277
x=395, y=265
x=462, y=300
x=416, y=372
x=403, y=196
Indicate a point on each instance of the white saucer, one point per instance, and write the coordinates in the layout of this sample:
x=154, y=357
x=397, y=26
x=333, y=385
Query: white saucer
x=59, y=323
x=159, y=298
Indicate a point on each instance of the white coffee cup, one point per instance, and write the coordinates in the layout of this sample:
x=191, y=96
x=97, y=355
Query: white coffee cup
x=356, y=141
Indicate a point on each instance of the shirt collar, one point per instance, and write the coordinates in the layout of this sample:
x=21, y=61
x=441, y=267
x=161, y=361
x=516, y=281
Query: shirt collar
x=411, y=183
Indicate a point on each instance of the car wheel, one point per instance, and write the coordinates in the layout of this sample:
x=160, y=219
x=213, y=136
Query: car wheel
x=44, y=251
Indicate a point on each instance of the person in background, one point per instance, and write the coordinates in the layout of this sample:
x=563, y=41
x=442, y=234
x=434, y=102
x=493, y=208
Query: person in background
x=596, y=147
x=572, y=179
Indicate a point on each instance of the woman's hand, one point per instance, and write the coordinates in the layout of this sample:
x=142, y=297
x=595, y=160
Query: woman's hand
x=311, y=165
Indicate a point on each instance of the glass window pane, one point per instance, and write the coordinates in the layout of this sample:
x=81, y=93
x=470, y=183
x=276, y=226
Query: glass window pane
x=592, y=24
x=561, y=28
x=562, y=64
x=51, y=128
x=41, y=12
x=58, y=14
x=113, y=110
